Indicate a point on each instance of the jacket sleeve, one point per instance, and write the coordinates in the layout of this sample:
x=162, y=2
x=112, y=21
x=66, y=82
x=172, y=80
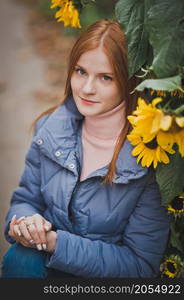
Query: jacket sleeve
x=143, y=244
x=26, y=199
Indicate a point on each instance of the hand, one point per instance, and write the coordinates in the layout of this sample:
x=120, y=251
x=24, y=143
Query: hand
x=15, y=233
x=31, y=230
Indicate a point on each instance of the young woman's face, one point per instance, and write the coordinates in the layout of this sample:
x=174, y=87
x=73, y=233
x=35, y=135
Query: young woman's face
x=93, y=84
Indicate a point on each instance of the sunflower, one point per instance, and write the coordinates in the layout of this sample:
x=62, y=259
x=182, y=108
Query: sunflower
x=176, y=206
x=67, y=13
x=172, y=267
x=149, y=122
x=148, y=153
x=174, y=93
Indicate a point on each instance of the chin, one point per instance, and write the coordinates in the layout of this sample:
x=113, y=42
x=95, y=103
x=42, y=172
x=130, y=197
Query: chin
x=85, y=111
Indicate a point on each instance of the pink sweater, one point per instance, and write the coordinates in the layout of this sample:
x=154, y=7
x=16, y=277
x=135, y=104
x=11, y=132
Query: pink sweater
x=99, y=135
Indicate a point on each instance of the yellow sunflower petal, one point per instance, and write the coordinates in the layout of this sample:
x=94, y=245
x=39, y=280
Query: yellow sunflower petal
x=147, y=137
x=132, y=119
x=179, y=139
x=164, y=157
x=146, y=160
x=139, y=148
x=156, y=101
x=157, y=154
x=56, y=3
x=180, y=121
x=141, y=155
x=166, y=140
x=156, y=121
x=134, y=139
x=166, y=122
x=68, y=14
x=155, y=162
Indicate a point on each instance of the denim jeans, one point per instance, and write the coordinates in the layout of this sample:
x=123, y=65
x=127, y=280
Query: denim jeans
x=23, y=262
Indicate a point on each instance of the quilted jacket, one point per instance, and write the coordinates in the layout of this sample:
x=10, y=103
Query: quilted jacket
x=118, y=230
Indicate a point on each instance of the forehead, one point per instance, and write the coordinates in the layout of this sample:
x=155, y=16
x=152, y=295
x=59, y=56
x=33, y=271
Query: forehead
x=97, y=60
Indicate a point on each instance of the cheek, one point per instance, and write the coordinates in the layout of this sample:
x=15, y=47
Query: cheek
x=74, y=84
x=113, y=95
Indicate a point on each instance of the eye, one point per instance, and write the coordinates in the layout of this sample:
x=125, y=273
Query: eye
x=80, y=71
x=107, y=78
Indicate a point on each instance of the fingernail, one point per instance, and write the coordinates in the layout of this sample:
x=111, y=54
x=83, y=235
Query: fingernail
x=13, y=218
x=21, y=218
x=39, y=247
x=44, y=246
x=46, y=227
x=31, y=242
x=19, y=233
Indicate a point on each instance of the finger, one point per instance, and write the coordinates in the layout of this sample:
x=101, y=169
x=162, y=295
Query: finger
x=26, y=244
x=42, y=235
x=25, y=232
x=13, y=218
x=35, y=236
x=39, y=223
x=16, y=230
x=47, y=225
x=20, y=219
x=12, y=222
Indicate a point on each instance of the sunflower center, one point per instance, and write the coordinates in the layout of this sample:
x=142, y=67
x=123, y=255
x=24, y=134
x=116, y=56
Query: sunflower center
x=152, y=145
x=178, y=203
x=171, y=267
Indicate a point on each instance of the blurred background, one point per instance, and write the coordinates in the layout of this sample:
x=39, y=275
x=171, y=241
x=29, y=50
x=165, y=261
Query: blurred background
x=34, y=50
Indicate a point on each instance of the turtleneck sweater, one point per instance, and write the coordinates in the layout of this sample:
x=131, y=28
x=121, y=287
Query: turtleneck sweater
x=99, y=136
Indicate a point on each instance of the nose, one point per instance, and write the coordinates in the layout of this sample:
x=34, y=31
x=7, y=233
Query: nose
x=89, y=86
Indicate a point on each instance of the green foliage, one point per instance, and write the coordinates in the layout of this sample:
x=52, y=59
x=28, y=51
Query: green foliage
x=99, y=10
x=153, y=28
x=165, y=26
x=170, y=177
x=177, y=234
x=163, y=84
x=89, y=15
x=131, y=14
x=155, y=40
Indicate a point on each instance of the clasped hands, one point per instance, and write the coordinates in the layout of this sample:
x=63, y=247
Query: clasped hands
x=33, y=232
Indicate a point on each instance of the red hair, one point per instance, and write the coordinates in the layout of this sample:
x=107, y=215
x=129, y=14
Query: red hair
x=109, y=35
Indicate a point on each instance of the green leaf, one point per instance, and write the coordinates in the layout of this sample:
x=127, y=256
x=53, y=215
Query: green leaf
x=165, y=25
x=170, y=177
x=131, y=14
x=164, y=84
x=175, y=238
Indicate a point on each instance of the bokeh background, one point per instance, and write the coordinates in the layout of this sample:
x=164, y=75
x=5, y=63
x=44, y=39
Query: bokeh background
x=34, y=50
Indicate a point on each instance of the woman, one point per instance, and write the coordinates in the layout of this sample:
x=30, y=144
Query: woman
x=84, y=207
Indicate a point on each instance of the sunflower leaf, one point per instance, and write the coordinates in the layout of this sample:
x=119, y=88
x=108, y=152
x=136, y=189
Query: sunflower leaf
x=175, y=237
x=170, y=177
x=165, y=25
x=131, y=14
x=164, y=84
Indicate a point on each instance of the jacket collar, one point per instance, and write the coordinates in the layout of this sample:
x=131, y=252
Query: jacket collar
x=57, y=139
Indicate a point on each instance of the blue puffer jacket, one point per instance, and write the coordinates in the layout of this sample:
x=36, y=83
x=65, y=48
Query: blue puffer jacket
x=102, y=231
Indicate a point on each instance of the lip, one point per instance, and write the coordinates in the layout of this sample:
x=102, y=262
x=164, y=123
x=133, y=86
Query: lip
x=88, y=101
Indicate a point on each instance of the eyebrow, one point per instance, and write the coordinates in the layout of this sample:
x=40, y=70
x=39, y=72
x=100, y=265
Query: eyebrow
x=101, y=73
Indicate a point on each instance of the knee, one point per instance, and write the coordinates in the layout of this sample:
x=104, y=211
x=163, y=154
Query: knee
x=20, y=261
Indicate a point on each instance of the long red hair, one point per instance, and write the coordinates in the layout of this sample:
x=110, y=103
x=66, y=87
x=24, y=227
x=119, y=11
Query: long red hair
x=109, y=35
